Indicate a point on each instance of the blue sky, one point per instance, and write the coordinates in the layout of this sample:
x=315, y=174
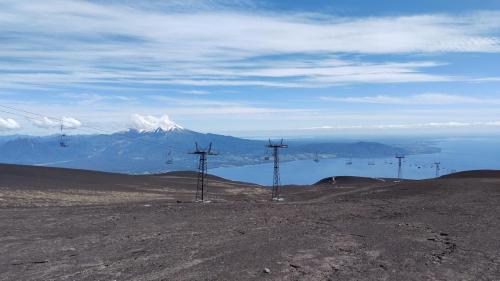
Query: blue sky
x=251, y=67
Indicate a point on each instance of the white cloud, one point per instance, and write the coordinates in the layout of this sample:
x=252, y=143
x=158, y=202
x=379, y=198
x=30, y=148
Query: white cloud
x=8, y=124
x=161, y=44
x=195, y=92
x=46, y=123
x=151, y=123
x=71, y=123
x=421, y=99
x=486, y=79
x=67, y=123
x=198, y=106
x=92, y=99
x=429, y=125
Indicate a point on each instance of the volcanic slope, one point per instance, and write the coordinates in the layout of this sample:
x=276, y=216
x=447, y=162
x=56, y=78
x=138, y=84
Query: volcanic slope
x=43, y=186
x=342, y=229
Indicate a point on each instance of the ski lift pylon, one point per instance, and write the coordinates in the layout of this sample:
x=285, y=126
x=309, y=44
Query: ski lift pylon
x=316, y=157
x=63, y=138
x=168, y=157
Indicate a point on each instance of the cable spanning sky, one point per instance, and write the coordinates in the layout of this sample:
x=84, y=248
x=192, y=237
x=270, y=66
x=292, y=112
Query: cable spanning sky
x=252, y=67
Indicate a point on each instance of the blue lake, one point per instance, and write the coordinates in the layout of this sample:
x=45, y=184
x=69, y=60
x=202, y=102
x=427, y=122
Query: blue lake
x=457, y=154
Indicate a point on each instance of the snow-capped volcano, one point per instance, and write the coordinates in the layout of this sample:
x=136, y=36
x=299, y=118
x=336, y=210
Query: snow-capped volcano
x=151, y=123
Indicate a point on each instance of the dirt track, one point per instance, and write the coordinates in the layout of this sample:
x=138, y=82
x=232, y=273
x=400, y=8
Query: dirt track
x=444, y=229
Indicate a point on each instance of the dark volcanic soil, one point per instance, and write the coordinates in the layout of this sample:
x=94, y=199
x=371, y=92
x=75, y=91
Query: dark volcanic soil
x=58, y=224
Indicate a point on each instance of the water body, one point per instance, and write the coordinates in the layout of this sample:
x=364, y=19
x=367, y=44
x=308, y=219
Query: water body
x=458, y=154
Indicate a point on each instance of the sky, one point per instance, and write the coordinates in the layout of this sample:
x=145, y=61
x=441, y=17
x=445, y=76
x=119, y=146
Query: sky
x=250, y=68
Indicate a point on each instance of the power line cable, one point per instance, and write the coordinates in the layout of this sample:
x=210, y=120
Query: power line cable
x=52, y=117
x=36, y=119
x=61, y=120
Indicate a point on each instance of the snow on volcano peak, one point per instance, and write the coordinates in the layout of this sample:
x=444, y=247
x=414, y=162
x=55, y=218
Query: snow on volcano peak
x=150, y=123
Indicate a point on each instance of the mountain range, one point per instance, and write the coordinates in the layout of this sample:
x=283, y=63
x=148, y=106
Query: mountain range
x=140, y=151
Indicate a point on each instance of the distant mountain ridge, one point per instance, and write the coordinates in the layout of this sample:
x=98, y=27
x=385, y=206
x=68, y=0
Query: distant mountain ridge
x=145, y=151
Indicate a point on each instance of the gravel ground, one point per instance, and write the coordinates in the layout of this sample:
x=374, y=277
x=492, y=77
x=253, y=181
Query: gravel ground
x=113, y=227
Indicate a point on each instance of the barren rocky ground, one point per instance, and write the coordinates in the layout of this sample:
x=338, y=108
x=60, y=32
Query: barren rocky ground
x=58, y=224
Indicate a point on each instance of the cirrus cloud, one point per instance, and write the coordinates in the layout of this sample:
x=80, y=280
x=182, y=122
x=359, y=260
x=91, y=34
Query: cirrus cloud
x=239, y=48
x=430, y=125
x=421, y=99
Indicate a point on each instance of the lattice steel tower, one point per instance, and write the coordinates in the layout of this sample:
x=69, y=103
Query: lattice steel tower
x=276, y=175
x=438, y=168
x=202, y=171
x=400, y=165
